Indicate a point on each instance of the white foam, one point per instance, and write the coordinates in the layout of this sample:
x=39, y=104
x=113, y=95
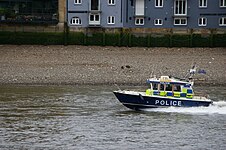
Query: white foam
x=216, y=108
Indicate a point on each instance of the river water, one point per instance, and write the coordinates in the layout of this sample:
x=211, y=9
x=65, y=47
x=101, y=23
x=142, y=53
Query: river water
x=90, y=117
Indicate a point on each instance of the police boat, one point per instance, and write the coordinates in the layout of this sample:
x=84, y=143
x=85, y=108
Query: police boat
x=165, y=91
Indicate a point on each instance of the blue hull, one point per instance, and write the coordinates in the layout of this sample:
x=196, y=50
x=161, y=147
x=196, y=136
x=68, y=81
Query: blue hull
x=139, y=102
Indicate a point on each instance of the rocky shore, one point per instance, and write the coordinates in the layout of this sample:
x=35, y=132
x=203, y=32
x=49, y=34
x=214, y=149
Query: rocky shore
x=33, y=64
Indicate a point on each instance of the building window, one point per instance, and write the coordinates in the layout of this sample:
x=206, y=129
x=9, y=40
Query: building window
x=158, y=22
x=222, y=3
x=111, y=2
x=76, y=21
x=139, y=21
x=222, y=21
x=180, y=7
x=158, y=3
x=111, y=20
x=94, y=4
x=180, y=21
x=78, y=1
x=94, y=19
x=202, y=22
x=202, y=3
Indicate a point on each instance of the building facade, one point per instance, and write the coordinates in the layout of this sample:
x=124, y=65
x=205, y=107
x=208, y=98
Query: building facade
x=95, y=13
x=147, y=13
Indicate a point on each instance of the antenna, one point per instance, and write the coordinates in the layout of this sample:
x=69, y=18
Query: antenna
x=152, y=72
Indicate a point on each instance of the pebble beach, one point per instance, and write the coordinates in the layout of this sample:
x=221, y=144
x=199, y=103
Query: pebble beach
x=93, y=65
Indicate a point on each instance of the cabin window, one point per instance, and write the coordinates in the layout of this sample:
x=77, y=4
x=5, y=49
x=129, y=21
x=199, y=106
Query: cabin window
x=161, y=87
x=177, y=88
x=168, y=87
x=155, y=86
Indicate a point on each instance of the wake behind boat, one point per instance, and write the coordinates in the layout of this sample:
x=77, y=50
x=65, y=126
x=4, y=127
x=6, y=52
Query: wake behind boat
x=163, y=92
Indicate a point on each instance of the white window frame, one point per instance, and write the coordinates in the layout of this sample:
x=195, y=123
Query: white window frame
x=223, y=20
x=222, y=3
x=77, y=1
x=159, y=3
x=203, y=21
x=111, y=2
x=158, y=22
x=139, y=23
x=178, y=9
x=76, y=21
x=111, y=20
x=95, y=21
x=203, y=3
x=180, y=21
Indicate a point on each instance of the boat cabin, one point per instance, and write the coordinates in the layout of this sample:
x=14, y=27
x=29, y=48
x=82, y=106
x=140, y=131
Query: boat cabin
x=169, y=87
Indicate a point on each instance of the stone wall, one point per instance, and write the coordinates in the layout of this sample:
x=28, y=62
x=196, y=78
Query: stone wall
x=62, y=12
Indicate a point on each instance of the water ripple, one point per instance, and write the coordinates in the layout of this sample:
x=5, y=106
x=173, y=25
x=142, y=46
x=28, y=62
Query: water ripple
x=71, y=117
